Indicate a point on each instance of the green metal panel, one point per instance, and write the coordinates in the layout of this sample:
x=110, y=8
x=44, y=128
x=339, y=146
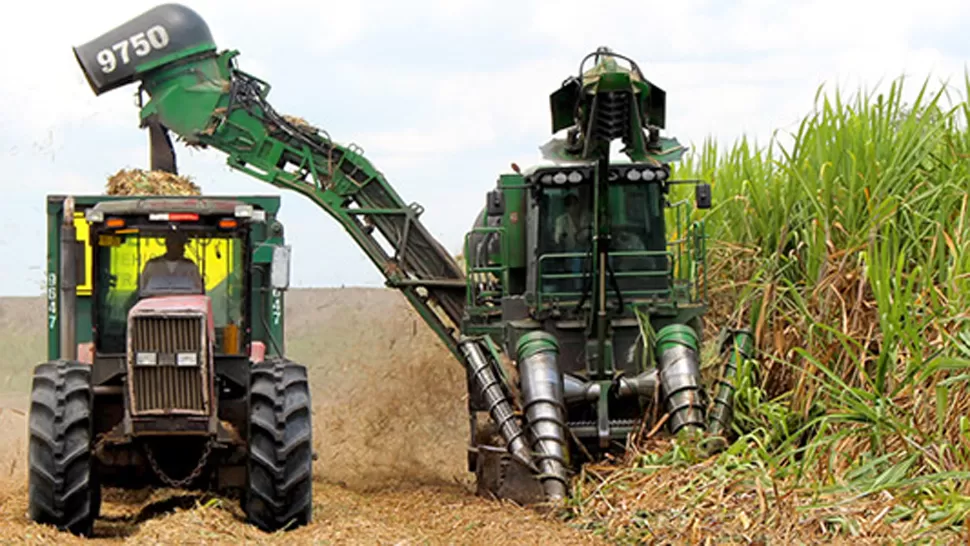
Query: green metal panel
x=268, y=303
x=513, y=187
x=53, y=286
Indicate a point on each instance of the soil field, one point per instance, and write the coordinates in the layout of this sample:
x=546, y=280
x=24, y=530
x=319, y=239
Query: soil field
x=390, y=431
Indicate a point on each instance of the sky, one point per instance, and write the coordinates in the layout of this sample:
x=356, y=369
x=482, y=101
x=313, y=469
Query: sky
x=442, y=95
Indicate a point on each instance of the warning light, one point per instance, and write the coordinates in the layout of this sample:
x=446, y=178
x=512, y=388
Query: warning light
x=174, y=216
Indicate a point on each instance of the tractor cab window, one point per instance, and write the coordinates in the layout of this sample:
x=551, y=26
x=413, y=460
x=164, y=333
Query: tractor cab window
x=136, y=264
x=638, y=240
x=171, y=272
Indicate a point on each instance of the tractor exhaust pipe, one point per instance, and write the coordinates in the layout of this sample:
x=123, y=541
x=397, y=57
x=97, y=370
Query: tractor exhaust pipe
x=68, y=282
x=498, y=404
x=542, y=400
x=740, y=344
x=680, y=377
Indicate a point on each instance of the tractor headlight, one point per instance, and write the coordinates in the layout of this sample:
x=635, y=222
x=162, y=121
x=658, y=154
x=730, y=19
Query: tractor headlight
x=146, y=359
x=633, y=175
x=187, y=359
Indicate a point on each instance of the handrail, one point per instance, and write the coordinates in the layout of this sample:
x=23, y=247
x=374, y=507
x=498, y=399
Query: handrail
x=474, y=272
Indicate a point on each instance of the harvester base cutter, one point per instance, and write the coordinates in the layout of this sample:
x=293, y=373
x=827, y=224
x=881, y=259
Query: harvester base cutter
x=502, y=476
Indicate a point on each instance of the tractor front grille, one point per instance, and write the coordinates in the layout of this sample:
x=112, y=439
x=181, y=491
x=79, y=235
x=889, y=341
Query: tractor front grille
x=164, y=384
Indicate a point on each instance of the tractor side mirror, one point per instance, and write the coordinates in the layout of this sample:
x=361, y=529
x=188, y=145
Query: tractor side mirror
x=495, y=205
x=702, y=195
x=280, y=268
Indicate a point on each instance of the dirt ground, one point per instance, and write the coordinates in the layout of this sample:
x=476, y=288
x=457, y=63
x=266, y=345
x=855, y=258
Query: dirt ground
x=390, y=431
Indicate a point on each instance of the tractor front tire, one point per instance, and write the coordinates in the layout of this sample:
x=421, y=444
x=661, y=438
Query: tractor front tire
x=279, y=490
x=63, y=489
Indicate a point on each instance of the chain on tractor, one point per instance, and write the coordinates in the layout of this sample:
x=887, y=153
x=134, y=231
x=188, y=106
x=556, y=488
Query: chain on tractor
x=180, y=483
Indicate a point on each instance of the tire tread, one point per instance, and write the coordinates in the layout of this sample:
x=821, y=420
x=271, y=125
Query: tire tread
x=279, y=492
x=62, y=488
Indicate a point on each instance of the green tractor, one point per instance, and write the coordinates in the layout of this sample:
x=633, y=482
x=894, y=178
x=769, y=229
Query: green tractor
x=166, y=363
x=581, y=272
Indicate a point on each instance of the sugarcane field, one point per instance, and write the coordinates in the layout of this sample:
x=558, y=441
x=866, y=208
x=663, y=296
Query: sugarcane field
x=485, y=273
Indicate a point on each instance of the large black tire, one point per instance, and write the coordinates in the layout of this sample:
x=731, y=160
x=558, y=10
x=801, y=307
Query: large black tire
x=279, y=490
x=63, y=489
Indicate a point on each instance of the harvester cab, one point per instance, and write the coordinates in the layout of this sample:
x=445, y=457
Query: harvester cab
x=166, y=362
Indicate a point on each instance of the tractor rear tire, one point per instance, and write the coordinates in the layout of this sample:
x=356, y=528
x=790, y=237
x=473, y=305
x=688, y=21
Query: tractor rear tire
x=279, y=490
x=63, y=487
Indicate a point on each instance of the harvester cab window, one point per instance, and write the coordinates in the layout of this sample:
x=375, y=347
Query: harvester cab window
x=636, y=228
x=139, y=264
x=638, y=240
x=573, y=227
x=566, y=230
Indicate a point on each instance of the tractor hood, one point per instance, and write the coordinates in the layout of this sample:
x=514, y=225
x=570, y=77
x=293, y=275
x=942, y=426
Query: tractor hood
x=193, y=304
x=174, y=306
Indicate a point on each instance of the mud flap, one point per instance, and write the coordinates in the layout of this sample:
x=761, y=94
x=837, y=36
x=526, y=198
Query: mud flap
x=501, y=476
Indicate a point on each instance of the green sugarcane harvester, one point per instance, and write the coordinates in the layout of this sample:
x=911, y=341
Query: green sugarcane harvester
x=572, y=267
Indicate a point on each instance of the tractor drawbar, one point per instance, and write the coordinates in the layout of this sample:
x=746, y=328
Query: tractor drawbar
x=542, y=400
x=680, y=377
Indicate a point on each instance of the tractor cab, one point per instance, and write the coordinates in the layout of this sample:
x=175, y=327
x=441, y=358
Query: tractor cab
x=166, y=256
x=171, y=301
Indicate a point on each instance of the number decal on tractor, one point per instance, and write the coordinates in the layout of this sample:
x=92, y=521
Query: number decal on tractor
x=277, y=307
x=140, y=44
x=52, y=300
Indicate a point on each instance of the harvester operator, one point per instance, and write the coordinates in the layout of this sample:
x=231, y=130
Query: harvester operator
x=173, y=263
x=572, y=234
x=573, y=226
